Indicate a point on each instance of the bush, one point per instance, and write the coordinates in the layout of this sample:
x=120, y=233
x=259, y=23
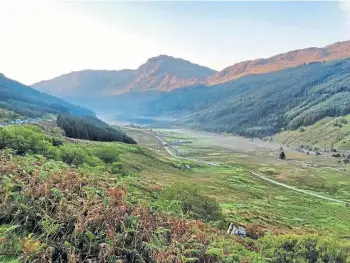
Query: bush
x=306, y=248
x=31, y=140
x=23, y=139
x=193, y=202
x=107, y=154
x=117, y=168
x=57, y=142
x=72, y=155
x=282, y=155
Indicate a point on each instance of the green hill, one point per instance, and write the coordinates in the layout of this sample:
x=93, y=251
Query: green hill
x=328, y=133
x=18, y=101
x=29, y=102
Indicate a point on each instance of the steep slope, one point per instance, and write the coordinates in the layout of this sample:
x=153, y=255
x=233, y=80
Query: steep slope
x=159, y=73
x=328, y=133
x=257, y=105
x=294, y=58
x=29, y=102
x=86, y=83
x=167, y=73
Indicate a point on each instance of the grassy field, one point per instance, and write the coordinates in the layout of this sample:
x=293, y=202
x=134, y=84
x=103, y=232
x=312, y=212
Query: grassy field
x=248, y=200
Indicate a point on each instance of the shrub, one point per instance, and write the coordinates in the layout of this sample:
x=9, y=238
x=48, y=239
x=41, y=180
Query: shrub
x=306, y=248
x=72, y=155
x=117, y=168
x=71, y=217
x=107, y=154
x=57, y=142
x=25, y=140
x=282, y=155
x=31, y=140
x=193, y=202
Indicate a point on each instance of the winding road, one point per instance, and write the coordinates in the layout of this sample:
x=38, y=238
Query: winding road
x=171, y=153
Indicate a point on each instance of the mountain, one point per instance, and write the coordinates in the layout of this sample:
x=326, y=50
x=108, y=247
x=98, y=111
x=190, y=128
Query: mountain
x=166, y=73
x=162, y=73
x=86, y=83
x=29, y=102
x=254, y=105
x=294, y=58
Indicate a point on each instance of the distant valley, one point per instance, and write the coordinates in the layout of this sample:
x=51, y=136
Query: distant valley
x=255, y=105
x=253, y=98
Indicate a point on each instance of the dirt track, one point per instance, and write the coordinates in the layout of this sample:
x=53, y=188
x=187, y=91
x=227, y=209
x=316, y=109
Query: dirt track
x=173, y=154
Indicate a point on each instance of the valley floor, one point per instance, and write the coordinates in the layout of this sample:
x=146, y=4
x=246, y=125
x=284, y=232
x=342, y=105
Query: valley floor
x=319, y=187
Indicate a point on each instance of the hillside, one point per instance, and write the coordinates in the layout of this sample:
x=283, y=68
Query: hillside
x=255, y=105
x=86, y=83
x=328, y=133
x=166, y=73
x=87, y=201
x=29, y=102
x=294, y=58
x=162, y=73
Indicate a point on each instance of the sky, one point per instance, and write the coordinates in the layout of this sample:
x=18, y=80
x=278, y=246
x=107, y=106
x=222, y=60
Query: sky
x=44, y=39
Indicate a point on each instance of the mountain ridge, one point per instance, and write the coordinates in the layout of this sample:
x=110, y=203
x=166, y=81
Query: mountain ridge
x=166, y=73
x=294, y=58
x=158, y=73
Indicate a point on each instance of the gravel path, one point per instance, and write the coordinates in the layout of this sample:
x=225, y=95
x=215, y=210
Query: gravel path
x=297, y=190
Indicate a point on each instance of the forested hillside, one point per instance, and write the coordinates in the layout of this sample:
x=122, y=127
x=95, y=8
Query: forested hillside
x=90, y=128
x=257, y=105
x=29, y=102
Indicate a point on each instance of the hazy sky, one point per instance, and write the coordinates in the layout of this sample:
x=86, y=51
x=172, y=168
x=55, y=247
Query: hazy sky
x=44, y=39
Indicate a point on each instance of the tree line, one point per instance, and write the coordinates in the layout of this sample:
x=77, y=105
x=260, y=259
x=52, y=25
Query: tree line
x=90, y=128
